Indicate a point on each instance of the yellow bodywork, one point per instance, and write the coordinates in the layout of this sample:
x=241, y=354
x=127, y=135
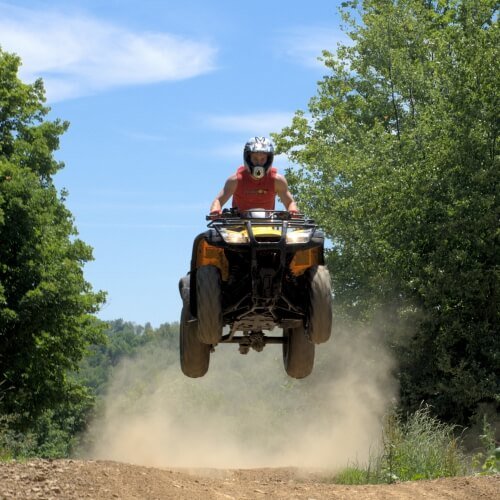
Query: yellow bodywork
x=266, y=231
x=214, y=256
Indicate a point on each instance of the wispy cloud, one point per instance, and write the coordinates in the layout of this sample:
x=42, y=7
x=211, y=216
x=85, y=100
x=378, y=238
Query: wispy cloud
x=234, y=152
x=252, y=124
x=228, y=150
x=78, y=55
x=145, y=137
x=305, y=44
x=247, y=125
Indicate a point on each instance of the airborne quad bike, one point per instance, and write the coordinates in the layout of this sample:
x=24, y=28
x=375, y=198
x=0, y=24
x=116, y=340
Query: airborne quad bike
x=252, y=272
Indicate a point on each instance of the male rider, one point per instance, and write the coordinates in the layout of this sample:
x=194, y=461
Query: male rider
x=256, y=183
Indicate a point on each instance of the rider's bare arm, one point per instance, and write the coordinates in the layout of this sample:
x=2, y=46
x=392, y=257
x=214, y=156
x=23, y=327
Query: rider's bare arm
x=226, y=193
x=281, y=186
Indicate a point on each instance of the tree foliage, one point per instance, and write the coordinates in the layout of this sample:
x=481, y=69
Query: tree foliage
x=398, y=161
x=46, y=306
x=124, y=339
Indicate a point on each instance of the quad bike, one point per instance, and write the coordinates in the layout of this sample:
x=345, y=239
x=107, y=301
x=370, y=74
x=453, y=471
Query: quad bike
x=254, y=271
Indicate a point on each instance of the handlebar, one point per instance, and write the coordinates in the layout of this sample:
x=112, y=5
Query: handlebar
x=257, y=213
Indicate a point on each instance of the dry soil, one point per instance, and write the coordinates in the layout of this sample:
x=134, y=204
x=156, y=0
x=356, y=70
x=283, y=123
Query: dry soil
x=79, y=479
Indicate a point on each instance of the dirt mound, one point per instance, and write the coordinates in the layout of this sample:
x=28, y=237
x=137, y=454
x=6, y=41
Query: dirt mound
x=77, y=479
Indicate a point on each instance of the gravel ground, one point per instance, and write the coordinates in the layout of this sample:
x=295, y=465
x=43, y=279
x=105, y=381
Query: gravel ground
x=79, y=479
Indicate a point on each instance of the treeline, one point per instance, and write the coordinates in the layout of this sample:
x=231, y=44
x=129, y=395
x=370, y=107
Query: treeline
x=397, y=158
x=47, y=308
x=48, y=380
x=123, y=339
x=57, y=431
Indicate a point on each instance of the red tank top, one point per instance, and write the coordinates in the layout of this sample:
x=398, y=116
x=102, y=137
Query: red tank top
x=255, y=193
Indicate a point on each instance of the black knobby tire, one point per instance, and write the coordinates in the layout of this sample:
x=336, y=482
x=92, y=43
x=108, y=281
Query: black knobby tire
x=298, y=353
x=209, y=307
x=319, y=322
x=194, y=355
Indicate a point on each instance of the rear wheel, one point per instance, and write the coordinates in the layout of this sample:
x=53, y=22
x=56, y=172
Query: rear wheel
x=195, y=356
x=319, y=327
x=298, y=353
x=209, y=304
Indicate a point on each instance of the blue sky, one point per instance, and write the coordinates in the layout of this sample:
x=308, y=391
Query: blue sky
x=161, y=96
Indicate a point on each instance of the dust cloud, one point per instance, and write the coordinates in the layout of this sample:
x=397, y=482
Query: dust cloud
x=246, y=412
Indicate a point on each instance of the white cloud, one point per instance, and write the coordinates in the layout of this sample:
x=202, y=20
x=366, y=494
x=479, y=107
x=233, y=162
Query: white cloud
x=230, y=150
x=145, y=137
x=252, y=124
x=234, y=152
x=247, y=125
x=305, y=44
x=78, y=55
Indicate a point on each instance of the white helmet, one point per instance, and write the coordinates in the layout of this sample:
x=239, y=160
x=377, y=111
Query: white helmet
x=258, y=145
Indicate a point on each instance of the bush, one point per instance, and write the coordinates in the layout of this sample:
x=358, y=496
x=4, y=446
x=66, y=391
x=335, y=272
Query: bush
x=420, y=447
x=14, y=444
x=487, y=461
x=53, y=434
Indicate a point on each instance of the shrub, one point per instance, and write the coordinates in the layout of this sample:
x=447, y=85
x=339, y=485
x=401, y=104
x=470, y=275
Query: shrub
x=487, y=461
x=14, y=444
x=420, y=447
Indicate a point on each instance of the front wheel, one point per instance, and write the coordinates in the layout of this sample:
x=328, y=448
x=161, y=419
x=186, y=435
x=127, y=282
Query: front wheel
x=319, y=327
x=298, y=353
x=209, y=304
x=194, y=355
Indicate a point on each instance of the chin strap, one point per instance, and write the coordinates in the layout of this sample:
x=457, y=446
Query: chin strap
x=258, y=172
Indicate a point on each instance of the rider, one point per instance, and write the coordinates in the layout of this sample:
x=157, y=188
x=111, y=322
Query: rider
x=256, y=183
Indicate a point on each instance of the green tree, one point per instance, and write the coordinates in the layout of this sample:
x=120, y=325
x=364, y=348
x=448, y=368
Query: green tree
x=46, y=306
x=398, y=161
x=124, y=339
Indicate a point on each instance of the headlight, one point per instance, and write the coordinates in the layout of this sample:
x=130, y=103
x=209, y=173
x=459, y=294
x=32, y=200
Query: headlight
x=234, y=236
x=296, y=237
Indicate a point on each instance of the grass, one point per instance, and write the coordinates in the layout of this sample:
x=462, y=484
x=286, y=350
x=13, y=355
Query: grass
x=420, y=447
x=487, y=461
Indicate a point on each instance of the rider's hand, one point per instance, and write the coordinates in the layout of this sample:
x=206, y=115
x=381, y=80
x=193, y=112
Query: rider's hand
x=215, y=214
x=294, y=214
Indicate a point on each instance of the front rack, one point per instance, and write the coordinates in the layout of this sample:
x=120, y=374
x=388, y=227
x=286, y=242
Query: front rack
x=234, y=218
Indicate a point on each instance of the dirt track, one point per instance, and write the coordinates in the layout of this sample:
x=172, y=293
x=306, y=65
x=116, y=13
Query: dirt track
x=75, y=479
